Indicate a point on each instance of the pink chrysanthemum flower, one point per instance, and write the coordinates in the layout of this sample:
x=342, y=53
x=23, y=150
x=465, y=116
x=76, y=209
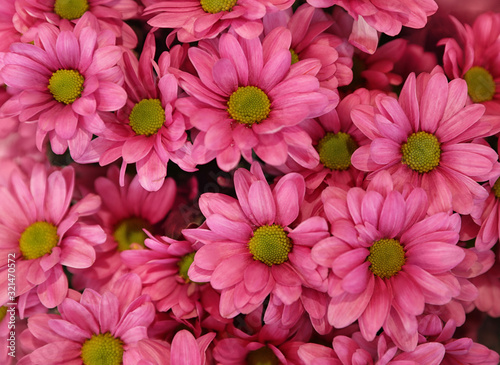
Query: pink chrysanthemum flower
x=388, y=258
x=372, y=16
x=62, y=82
x=251, y=247
x=424, y=138
x=249, y=96
x=43, y=233
x=309, y=40
x=193, y=20
x=147, y=131
x=108, y=13
x=93, y=329
x=170, y=287
x=473, y=56
x=126, y=212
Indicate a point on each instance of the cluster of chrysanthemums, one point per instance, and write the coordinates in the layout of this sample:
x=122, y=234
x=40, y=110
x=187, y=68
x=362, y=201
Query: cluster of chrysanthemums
x=331, y=194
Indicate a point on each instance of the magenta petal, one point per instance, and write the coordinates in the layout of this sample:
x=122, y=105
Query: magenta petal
x=262, y=204
x=184, y=349
x=225, y=77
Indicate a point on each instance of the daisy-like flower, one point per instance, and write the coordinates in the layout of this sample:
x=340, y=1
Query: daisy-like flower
x=473, y=56
x=251, y=248
x=92, y=329
x=108, y=13
x=249, y=96
x=126, y=212
x=193, y=20
x=388, y=259
x=147, y=131
x=62, y=82
x=43, y=233
x=424, y=138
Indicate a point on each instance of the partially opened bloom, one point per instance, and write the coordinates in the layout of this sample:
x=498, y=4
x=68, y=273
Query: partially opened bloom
x=388, y=259
x=248, y=97
x=253, y=246
x=44, y=233
x=62, y=81
x=426, y=137
x=92, y=328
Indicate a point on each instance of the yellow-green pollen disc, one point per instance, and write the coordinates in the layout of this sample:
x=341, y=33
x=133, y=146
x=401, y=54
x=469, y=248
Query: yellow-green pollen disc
x=184, y=265
x=216, y=6
x=38, y=239
x=480, y=84
x=147, y=117
x=295, y=56
x=71, y=9
x=66, y=85
x=129, y=233
x=270, y=245
x=335, y=150
x=387, y=257
x=262, y=356
x=102, y=349
x=496, y=188
x=3, y=312
x=248, y=105
x=421, y=152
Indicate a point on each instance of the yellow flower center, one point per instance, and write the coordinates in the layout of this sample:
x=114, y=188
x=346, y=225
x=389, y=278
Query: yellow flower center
x=480, y=84
x=216, y=6
x=295, y=56
x=421, y=152
x=270, y=245
x=102, y=349
x=248, y=105
x=3, y=312
x=387, y=257
x=66, y=85
x=71, y=9
x=37, y=240
x=496, y=188
x=129, y=233
x=147, y=117
x=262, y=356
x=335, y=150
x=184, y=265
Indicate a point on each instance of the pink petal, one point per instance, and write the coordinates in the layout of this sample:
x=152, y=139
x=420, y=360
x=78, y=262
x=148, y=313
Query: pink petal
x=69, y=330
x=68, y=50
x=77, y=253
x=53, y=291
x=435, y=257
x=230, y=271
x=184, y=349
x=377, y=310
x=288, y=194
x=256, y=276
x=433, y=102
x=234, y=231
x=262, y=204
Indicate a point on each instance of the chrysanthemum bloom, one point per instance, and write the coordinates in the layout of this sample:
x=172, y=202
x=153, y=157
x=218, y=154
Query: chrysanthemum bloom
x=43, y=233
x=126, y=211
x=62, y=82
x=170, y=286
x=309, y=40
x=251, y=247
x=473, y=56
x=193, y=20
x=388, y=258
x=381, y=351
x=424, y=138
x=372, y=16
x=108, y=13
x=92, y=330
x=147, y=131
x=457, y=351
x=250, y=96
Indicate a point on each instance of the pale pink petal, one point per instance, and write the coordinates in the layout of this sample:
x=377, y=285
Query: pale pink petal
x=69, y=330
x=77, y=253
x=53, y=291
x=234, y=231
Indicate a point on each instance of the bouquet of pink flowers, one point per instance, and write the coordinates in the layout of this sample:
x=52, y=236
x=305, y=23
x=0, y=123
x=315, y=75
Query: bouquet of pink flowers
x=249, y=182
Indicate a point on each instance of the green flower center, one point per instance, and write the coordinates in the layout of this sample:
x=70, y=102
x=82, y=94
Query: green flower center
x=102, y=349
x=216, y=6
x=71, y=9
x=421, y=152
x=335, y=150
x=295, y=56
x=270, y=245
x=480, y=84
x=147, y=117
x=184, y=265
x=37, y=240
x=3, y=312
x=248, y=105
x=496, y=188
x=66, y=85
x=262, y=356
x=129, y=233
x=387, y=257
